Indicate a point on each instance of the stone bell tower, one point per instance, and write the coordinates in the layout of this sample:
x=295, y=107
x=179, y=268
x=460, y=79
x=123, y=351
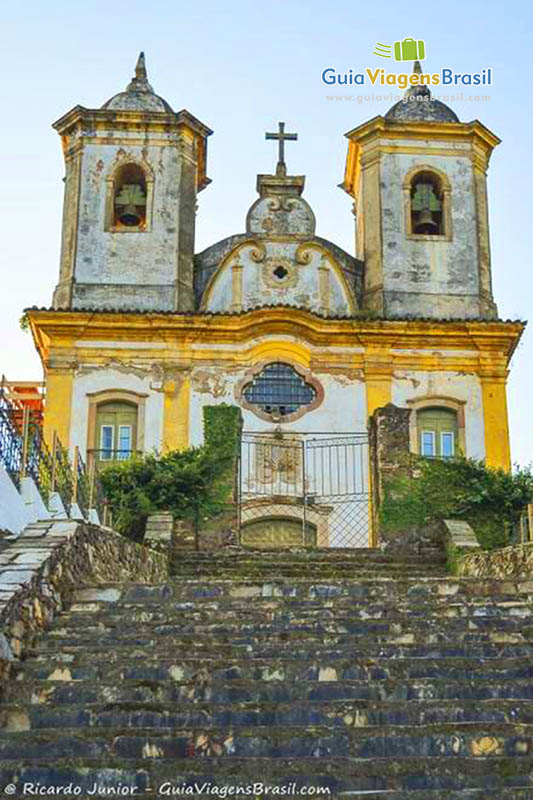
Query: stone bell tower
x=418, y=178
x=133, y=171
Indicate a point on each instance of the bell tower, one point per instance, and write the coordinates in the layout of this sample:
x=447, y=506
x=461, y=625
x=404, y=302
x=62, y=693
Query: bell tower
x=133, y=171
x=418, y=179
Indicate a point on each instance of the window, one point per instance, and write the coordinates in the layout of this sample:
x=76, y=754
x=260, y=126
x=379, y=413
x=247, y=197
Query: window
x=116, y=426
x=106, y=442
x=129, y=197
x=437, y=432
x=427, y=204
x=278, y=390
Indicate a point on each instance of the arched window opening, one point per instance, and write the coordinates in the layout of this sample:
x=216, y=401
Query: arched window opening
x=116, y=431
x=278, y=390
x=437, y=432
x=129, y=200
x=427, y=204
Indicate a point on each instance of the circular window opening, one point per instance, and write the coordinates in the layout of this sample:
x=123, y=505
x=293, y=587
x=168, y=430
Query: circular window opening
x=280, y=272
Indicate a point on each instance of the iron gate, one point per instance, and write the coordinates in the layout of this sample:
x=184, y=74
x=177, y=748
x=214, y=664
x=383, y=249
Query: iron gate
x=303, y=489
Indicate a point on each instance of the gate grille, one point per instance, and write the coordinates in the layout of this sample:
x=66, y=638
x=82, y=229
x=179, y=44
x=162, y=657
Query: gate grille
x=306, y=490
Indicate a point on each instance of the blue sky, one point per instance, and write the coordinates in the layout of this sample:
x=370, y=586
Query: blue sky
x=240, y=67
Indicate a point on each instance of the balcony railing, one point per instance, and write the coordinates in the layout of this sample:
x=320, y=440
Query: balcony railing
x=106, y=457
x=24, y=453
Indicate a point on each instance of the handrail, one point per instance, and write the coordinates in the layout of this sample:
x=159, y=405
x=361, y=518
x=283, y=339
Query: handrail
x=24, y=453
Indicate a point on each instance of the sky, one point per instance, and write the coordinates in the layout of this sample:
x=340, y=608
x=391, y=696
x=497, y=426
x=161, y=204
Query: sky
x=240, y=67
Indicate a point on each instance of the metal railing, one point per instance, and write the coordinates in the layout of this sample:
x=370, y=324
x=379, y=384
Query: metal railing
x=24, y=453
x=10, y=440
x=107, y=457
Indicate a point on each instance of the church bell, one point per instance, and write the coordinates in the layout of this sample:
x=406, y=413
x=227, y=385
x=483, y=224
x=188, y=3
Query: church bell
x=424, y=222
x=130, y=216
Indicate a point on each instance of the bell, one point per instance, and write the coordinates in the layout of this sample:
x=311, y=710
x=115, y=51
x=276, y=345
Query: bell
x=130, y=216
x=424, y=222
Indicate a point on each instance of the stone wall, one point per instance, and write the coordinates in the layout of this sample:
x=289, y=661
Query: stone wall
x=40, y=570
x=515, y=562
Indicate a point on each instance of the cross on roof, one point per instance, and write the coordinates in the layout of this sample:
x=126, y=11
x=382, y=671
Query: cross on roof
x=281, y=137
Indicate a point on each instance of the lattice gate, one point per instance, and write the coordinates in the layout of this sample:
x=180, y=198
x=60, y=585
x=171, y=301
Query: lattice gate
x=304, y=490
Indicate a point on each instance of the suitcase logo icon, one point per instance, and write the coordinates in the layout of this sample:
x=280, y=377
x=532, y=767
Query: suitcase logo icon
x=406, y=50
x=409, y=50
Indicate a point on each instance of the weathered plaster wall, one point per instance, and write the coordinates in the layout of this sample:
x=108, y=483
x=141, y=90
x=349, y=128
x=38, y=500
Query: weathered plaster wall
x=101, y=379
x=319, y=284
x=343, y=409
x=433, y=278
x=412, y=385
x=149, y=258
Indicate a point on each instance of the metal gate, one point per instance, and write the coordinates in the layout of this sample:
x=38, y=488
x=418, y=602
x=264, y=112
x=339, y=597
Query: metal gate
x=304, y=490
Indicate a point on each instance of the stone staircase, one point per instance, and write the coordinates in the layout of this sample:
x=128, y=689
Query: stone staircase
x=339, y=670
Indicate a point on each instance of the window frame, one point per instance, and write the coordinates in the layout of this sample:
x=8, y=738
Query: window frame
x=304, y=373
x=445, y=191
x=109, y=215
x=103, y=449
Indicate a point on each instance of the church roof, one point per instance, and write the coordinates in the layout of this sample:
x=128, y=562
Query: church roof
x=417, y=105
x=139, y=94
x=360, y=316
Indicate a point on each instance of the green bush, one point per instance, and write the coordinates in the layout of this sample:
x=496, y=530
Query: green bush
x=427, y=490
x=191, y=484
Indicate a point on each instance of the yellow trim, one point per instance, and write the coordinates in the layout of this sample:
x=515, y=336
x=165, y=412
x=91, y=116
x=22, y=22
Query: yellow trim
x=366, y=143
x=176, y=415
x=497, y=448
x=58, y=406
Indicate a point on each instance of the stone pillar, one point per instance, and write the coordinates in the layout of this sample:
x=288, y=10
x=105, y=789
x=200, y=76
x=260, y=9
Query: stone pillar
x=389, y=445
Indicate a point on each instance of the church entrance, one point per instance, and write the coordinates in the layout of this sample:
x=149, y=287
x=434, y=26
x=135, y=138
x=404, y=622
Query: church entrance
x=303, y=490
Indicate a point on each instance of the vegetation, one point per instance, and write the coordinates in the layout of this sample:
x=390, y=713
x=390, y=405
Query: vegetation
x=427, y=490
x=196, y=483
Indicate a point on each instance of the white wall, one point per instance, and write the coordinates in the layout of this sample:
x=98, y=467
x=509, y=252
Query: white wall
x=410, y=385
x=99, y=380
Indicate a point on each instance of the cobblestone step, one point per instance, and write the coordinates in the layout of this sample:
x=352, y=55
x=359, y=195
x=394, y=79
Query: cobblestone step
x=224, y=690
x=369, y=676
x=264, y=714
x=119, y=666
x=429, y=741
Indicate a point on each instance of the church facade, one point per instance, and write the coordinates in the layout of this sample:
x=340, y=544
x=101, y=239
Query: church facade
x=306, y=338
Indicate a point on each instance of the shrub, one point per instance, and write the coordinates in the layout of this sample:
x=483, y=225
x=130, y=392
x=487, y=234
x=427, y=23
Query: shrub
x=427, y=490
x=191, y=484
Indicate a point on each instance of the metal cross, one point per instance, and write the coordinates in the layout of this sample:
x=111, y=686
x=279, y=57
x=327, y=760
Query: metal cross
x=281, y=136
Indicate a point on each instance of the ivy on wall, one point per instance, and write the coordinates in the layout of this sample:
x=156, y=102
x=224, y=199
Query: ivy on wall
x=429, y=490
x=193, y=483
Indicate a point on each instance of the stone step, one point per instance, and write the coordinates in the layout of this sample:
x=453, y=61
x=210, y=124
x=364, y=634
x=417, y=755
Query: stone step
x=86, y=666
x=432, y=629
x=288, y=569
x=290, y=645
x=378, y=589
x=84, y=614
x=323, y=555
x=226, y=690
x=315, y=742
x=325, y=714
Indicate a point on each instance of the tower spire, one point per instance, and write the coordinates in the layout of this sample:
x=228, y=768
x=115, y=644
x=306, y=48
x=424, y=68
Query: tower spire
x=417, y=67
x=139, y=83
x=140, y=67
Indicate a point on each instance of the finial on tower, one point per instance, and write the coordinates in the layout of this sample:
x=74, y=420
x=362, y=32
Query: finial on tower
x=417, y=67
x=140, y=82
x=140, y=67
